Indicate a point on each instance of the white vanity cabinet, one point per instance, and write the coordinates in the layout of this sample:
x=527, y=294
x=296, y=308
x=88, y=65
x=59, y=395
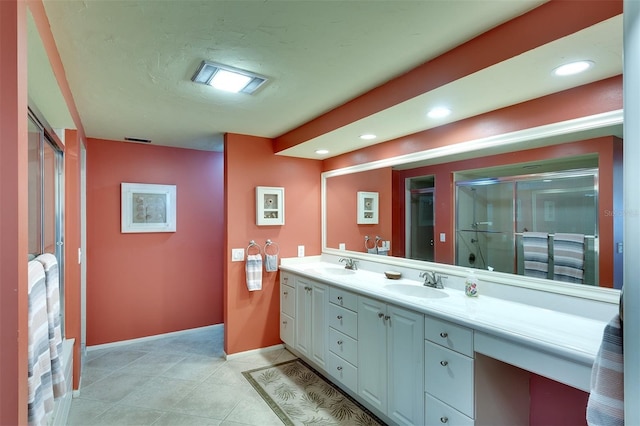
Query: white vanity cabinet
x=342, y=360
x=311, y=337
x=391, y=360
x=449, y=373
x=287, y=309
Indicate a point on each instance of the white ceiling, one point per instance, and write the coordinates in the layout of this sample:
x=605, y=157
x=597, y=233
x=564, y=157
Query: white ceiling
x=129, y=65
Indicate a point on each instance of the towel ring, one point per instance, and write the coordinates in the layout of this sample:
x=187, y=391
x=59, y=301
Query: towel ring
x=270, y=243
x=378, y=241
x=252, y=244
x=366, y=243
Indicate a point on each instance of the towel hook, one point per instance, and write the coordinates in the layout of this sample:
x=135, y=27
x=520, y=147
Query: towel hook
x=366, y=243
x=271, y=243
x=253, y=244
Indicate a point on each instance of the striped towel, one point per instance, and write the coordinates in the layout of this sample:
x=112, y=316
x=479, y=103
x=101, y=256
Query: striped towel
x=50, y=264
x=568, y=257
x=536, y=254
x=40, y=388
x=606, y=400
x=254, y=272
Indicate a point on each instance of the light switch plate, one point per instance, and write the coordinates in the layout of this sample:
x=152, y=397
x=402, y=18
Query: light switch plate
x=300, y=251
x=342, y=246
x=237, y=255
x=443, y=237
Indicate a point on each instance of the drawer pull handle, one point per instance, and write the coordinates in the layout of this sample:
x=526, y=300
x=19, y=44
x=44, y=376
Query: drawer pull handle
x=285, y=293
x=444, y=363
x=339, y=368
x=285, y=279
x=386, y=317
x=380, y=315
x=444, y=335
x=443, y=419
x=339, y=317
x=339, y=342
x=340, y=298
x=284, y=322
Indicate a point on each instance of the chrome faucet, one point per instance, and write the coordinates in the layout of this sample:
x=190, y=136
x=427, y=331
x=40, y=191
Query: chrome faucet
x=349, y=263
x=431, y=279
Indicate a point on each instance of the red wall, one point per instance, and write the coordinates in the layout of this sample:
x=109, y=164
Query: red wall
x=13, y=212
x=252, y=318
x=342, y=208
x=144, y=284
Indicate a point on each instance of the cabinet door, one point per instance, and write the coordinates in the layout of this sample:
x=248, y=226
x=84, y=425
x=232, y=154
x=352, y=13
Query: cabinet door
x=372, y=352
x=405, y=342
x=319, y=323
x=303, y=314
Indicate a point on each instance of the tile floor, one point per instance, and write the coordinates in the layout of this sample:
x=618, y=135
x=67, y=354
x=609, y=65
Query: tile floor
x=176, y=380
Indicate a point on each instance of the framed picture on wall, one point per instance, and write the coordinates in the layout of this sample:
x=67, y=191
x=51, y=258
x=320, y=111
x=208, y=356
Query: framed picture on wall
x=148, y=208
x=269, y=205
x=367, y=208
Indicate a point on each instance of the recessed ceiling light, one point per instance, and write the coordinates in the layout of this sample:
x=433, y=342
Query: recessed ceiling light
x=227, y=78
x=573, y=68
x=368, y=136
x=439, y=112
x=322, y=151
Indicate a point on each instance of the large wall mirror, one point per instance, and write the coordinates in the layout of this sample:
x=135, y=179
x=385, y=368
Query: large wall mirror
x=483, y=203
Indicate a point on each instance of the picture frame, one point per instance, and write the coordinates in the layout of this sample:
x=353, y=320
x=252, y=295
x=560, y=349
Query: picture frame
x=367, y=208
x=269, y=205
x=147, y=208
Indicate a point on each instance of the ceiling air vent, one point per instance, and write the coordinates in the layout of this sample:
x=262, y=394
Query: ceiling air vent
x=141, y=140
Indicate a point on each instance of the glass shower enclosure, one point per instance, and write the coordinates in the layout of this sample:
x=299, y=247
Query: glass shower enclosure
x=492, y=214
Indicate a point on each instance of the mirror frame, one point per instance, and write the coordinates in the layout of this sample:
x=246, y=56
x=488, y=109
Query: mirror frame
x=604, y=124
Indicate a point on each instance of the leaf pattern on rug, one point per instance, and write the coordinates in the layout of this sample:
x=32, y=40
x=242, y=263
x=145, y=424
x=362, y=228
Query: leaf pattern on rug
x=313, y=401
x=269, y=376
x=343, y=409
x=301, y=396
x=285, y=392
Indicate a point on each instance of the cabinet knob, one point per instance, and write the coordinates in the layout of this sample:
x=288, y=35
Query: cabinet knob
x=339, y=368
x=339, y=317
x=386, y=317
x=340, y=298
x=444, y=363
x=443, y=419
x=284, y=322
x=444, y=335
x=380, y=315
x=285, y=292
x=339, y=342
x=285, y=279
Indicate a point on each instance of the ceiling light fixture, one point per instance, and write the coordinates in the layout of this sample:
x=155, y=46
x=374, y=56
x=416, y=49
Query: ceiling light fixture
x=367, y=136
x=439, y=112
x=573, y=68
x=322, y=151
x=228, y=78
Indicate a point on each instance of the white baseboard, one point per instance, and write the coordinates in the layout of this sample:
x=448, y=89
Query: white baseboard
x=254, y=351
x=154, y=337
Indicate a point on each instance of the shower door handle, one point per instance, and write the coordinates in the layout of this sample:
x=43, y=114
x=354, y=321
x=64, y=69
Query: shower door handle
x=431, y=242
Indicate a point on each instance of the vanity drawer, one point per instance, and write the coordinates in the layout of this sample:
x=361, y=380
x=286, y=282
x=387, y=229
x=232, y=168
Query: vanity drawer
x=287, y=328
x=286, y=279
x=342, y=371
x=343, y=320
x=343, y=298
x=449, y=335
x=288, y=300
x=438, y=413
x=343, y=346
x=449, y=377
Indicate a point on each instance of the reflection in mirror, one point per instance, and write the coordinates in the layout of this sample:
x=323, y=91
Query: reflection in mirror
x=447, y=213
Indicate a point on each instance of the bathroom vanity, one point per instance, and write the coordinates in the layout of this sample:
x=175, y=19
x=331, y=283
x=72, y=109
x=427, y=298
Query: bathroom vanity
x=418, y=355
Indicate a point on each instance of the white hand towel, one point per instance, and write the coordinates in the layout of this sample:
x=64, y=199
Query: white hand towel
x=254, y=272
x=271, y=262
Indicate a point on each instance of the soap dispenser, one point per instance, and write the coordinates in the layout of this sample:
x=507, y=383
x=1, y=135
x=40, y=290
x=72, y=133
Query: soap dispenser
x=471, y=284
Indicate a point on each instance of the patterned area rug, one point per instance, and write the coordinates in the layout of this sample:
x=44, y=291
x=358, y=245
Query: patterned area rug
x=301, y=396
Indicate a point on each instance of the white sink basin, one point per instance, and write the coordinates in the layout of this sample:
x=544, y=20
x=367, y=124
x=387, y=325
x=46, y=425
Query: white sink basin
x=336, y=271
x=416, y=291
